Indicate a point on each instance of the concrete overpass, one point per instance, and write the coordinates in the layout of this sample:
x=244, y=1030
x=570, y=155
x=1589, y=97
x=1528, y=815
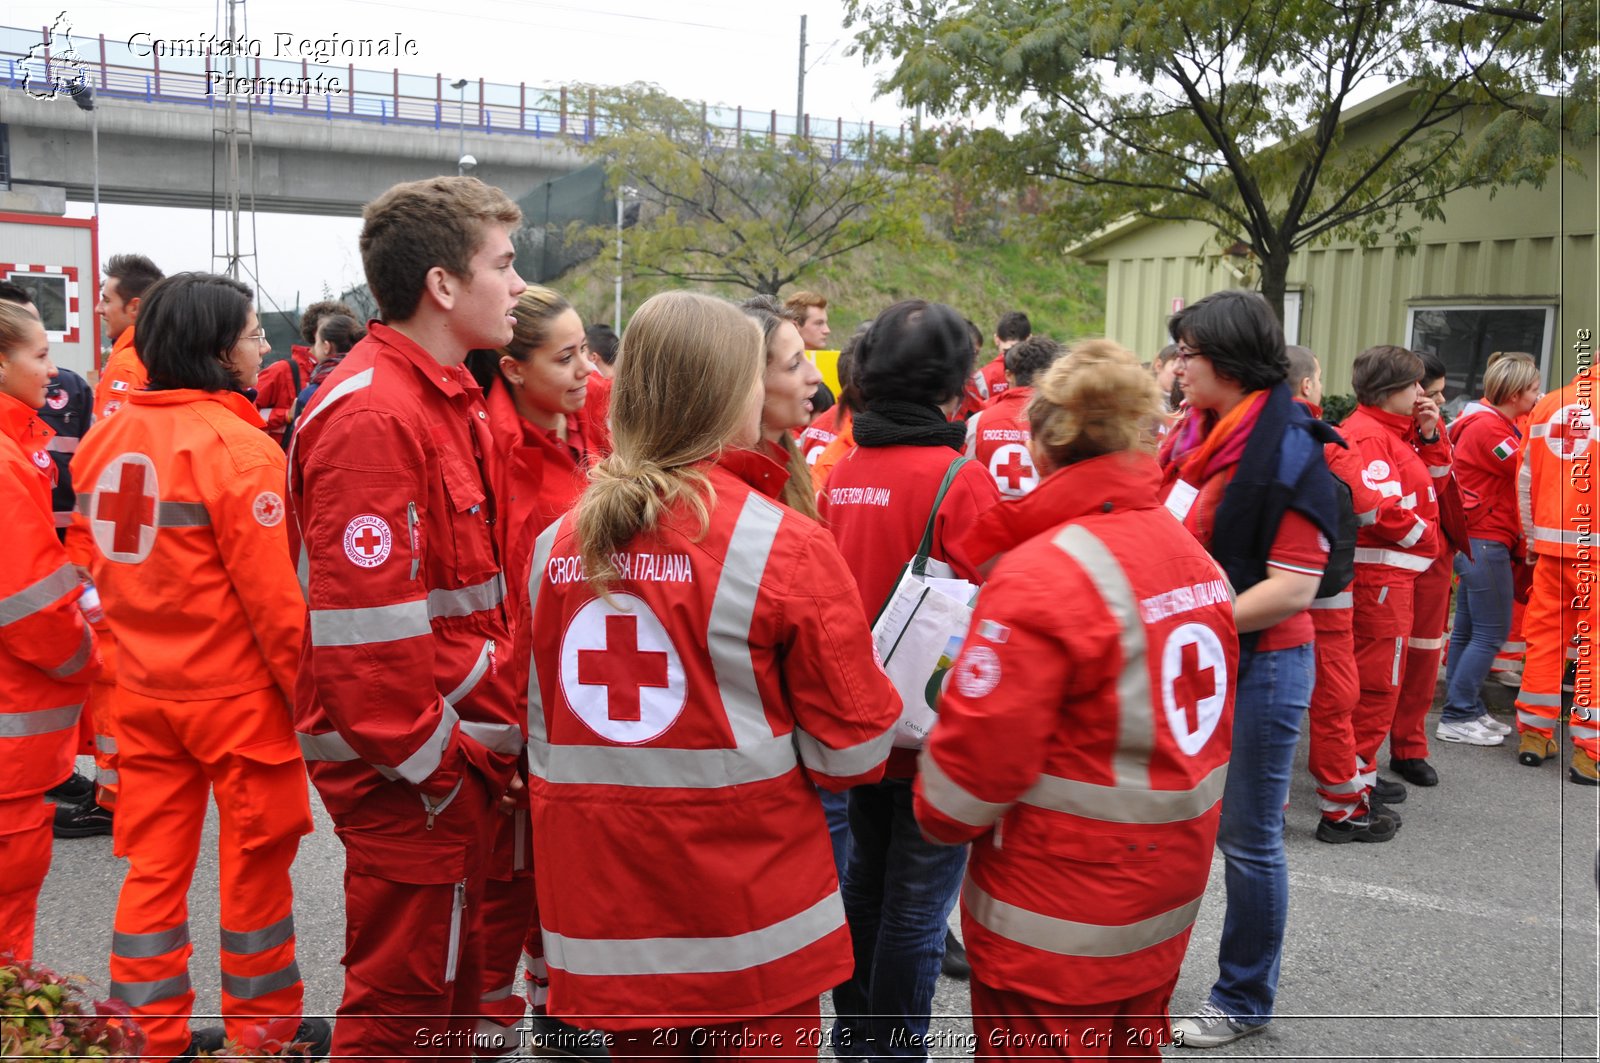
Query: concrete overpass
x=171, y=155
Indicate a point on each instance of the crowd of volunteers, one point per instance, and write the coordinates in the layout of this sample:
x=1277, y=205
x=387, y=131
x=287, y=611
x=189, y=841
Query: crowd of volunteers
x=579, y=639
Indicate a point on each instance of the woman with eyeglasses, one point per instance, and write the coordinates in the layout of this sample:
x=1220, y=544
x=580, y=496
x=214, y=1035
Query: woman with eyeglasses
x=1243, y=469
x=181, y=523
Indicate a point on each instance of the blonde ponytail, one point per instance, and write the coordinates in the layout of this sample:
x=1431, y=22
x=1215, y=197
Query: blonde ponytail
x=1095, y=400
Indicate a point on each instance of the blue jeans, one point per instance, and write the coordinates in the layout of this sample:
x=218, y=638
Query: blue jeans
x=1483, y=620
x=898, y=892
x=836, y=807
x=1274, y=691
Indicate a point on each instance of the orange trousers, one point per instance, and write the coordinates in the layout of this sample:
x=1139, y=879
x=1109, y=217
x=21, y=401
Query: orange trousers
x=1010, y=1025
x=97, y=718
x=1557, y=627
x=172, y=756
x=24, y=862
x=1515, y=647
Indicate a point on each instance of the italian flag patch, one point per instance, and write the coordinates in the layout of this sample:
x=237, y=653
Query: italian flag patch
x=1505, y=448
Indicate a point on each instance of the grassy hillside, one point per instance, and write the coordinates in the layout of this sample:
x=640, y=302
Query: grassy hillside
x=1064, y=299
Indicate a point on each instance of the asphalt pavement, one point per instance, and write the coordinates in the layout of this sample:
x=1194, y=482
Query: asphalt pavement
x=1471, y=936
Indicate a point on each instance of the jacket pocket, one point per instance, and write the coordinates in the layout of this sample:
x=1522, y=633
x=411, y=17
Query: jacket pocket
x=468, y=517
x=265, y=793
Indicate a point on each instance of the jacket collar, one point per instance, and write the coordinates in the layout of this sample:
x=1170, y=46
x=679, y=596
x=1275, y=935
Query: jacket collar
x=234, y=401
x=22, y=424
x=1401, y=425
x=1111, y=482
x=754, y=468
x=1012, y=396
x=512, y=430
x=453, y=381
x=124, y=341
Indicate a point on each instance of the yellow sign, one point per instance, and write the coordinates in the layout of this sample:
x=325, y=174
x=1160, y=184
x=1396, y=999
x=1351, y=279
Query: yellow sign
x=827, y=363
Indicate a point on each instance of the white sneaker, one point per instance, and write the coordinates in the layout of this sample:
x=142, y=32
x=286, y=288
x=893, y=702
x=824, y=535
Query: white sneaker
x=1210, y=1027
x=1471, y=732
x=1507, y=678
x=1493, y=725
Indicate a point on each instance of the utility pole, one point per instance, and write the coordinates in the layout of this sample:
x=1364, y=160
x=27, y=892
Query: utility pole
x=800, y=94
x=234, y=248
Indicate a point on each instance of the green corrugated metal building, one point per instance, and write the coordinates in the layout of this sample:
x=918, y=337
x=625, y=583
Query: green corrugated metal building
x=1512, y=271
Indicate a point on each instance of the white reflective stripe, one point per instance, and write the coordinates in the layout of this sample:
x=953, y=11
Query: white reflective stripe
x=951, y=799
x=149, y=946
x=495, y=737
x=416, y=768
x=656, y=766
x=494, y=996
x=1355, y=785
x=1342, y=810
x=245, y=942
x=1409, y=501
x=1572, y=653
x=1539, y=431
x=63, y=518
x=370, y=625
x=139, y=994
x=38, y=596
x=248, y=988
x=1579, y=729
x=541, y=559
x=1068, y=938
x=1513, y=647
x=1414, y=536
x=1539, y=723
x=1399, y=659
x=1437, y=471
x=1393, y=558
x=1388, y=489
x=732, y=609
x=105, y=744
x=612, y=957
x=1342, y=600
x=107, y=777
x=80, y=657
x=328, y=746
x=844, y=763
x=465, y=601
x=347, y=386
x=475, y=674
x=1551, y=701
x=1135, y=716
x=1124, y=804
x=38, y=721
x=302, y=569
x=1425, y=644
x=62, y=445
x=1558, y=535
x=1368, y=517
x=182, y=515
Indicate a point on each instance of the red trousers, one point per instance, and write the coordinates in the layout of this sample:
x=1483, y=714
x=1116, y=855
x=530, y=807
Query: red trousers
x=1341, y=783
x=173, y=756
x=1016, y=1026
x=414, y=947
x=24, y=862
x=510, y=912
x=1383, y=615
x=798, y=1034
x=1408, y=737
x=1558, y=627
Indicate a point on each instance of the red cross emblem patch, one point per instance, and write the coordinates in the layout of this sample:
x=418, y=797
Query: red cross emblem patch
x=268, y=509
x=620, y=672
x=367, y=540
x=57, y=399
x=1013, y=471
x=1194, y=685
x=1570, y=431
x=122, y=511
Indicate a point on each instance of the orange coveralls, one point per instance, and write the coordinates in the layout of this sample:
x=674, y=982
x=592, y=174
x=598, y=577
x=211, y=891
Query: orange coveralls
x=46, y=659
x=181, y=498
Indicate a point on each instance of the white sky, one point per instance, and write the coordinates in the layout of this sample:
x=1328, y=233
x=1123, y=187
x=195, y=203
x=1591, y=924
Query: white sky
x=734, y=52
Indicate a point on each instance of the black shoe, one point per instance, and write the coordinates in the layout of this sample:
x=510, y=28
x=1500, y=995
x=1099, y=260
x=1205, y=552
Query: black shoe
x=75, y=791
x=316, y=1035
x=1377, y=807
x=1414, y=770
x=205, y=1039
x=1388, y=791
x=1368, y=828
x=82, y=821
x=550, y=1036
x=955, y=963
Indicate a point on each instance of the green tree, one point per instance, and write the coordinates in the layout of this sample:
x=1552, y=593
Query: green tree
x=1229, y=112
x=754, y=211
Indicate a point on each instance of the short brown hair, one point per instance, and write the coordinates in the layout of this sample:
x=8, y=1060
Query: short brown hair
x=134, y=275
x=313, y=315
x=798, y=303
x=1380, y=371
x=418, y=225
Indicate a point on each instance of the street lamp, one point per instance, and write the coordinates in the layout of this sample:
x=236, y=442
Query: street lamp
x=623, y=193
x=83, y=96
x=463, y=160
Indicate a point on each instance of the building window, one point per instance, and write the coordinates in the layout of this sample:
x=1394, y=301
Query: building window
x=54, y=290
x=1465, y=336
x=1293, y=301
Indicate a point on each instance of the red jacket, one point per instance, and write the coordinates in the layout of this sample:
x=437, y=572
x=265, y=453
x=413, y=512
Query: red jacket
x=46, y=649
x=994, y=375
x=1403, y=471
x=677, y=734
x=1083, y=751
x=538, y=477
x=1487, y=456
x=180, y=508
x=997, y=437
x=277, y=388
x=399, y=678
x=818, y=434
x=122, y=375
x=597, y=415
